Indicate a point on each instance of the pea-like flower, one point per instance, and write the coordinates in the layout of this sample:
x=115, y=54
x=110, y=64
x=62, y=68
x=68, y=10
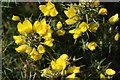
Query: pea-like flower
x=76, y=33
x=21, y=48
x=117, y=36
x=72, y=76
x=93, y=27
x=18, y=39
x=114, y=18
x=74, y=70
x=61, y=32
x=59, y=25
x=83, y=26
x=48, y=9
x=15, y=18
x=92, y=46
x=25, y=27
x=102, y=77
x=103, y=11
x=35, y=55
x=71, y=14
x=110, y=72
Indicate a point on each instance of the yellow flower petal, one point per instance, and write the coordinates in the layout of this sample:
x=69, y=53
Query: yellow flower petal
x=102, y=77
x=103, y=11
x=53, y=12
x=36, y=57
x=21, y=48
x=27, y=26
x=70, y=21
x=74, y=70
x=72, y=31
x=28, y=50
x=114, y=18
x=18, y=39
x=50, y=5
x=92, y=46
x=117, y=36
x=15, y=18
x=59, y=25
x=41, y=49
x=61, y=32
x=72, y=76
x=64, y=56
x=44, y=10
x=83, y=26
x=36, y=25
x=110, y=72
x=21, y=29
x=34, y=52
x=93, y=27
x=70, y=13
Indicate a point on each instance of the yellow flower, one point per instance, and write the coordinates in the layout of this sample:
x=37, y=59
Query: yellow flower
x=83, y=26
x=64, y=56
x=36, y=25
x=61, y=63
x=92, y=46
x=48, y=9
x=58, y=65
x=28, y=50
x=76, y=33
x=110, y=72
x=48, y=35
x=15, y=18
x=21, y=48
x=49, y=42
x=34, y=52
x=44, y=10
x=41, y=49
x=117, y=36
x=93, y=27
x=35, y=55
x=53, y=12
x=72, y=31
x=59, y=25
x=50, y=5
x=42, y=28
x=26, y=27
x=74, y=70
x=102, y=77
x=103, y=11
x=114, y=18
x=71, y=14
x=45, y=71
x=96, y=3
x=72, y=76
x=18, y=39
x=61, y=32
x=70, y=21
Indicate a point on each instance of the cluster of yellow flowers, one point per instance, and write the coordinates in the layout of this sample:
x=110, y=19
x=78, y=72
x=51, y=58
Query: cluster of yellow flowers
x=40, y=31
x=48, y=9
x=109, y=74
x=58, y=68
x=33, y=38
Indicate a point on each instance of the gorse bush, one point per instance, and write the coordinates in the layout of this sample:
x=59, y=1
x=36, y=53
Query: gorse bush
x=68, y=41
